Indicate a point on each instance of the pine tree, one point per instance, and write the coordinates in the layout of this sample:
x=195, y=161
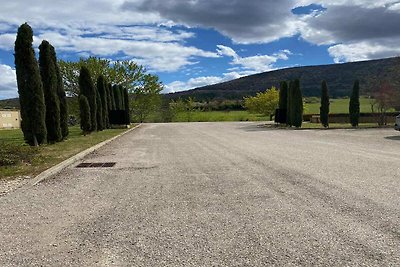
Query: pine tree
x=49, y=81
x=297, y=104
x=324, y=109
x=88, y=90
x=127, y=105
x=85, y=114
x=283, y=95
x=99, y=112
x=62, y=97
x=116, y=97
x=30, y=88
x=102, y=89
x=354, y=105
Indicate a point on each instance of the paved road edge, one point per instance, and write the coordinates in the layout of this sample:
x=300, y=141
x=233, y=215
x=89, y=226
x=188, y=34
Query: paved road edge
x=59, y=167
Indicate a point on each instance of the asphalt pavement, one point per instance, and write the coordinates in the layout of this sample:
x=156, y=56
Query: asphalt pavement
x=215, y=194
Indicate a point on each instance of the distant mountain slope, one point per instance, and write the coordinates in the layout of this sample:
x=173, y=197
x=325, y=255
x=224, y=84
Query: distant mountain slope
x=340, y=78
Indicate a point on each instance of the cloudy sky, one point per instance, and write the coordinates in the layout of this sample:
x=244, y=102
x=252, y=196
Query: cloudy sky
x=190, y=43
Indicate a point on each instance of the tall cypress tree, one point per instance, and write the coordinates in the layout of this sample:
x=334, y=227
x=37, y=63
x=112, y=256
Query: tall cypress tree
x=62, y=97
x=354, y=105
x=324, y=109
x=30, y=88
x=290, y=101
x=99, y=112
x=122, y=97
x=112, y=99
x=84, y=114
x=102, y=89
x=283, y=95
x=297, y=112
x=49, y=80
x=127, y=104
x=89, y=91
x=116, y=97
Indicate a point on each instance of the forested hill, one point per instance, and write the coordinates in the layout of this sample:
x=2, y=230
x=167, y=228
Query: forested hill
x=340, y=78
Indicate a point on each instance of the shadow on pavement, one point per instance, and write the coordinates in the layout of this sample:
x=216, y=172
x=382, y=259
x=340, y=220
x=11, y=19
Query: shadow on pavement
x=394, y=137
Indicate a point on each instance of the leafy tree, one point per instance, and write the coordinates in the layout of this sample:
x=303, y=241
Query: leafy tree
x=88, y=90
x=297, y=105
x=85, y=114
x=99, y=112
x=354, y=105
x=263, y=103
x=324, y=109
x=146, y=97
x=49, y=80
x=61, y=95
x=30, y=88
x=102, y=90
x=126, y=73
x=385, y=98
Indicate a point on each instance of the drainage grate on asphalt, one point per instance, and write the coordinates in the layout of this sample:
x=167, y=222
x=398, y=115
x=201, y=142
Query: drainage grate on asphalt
x=96, y=165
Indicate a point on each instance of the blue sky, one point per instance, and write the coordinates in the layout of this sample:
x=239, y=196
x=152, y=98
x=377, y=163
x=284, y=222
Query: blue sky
x=191, y=43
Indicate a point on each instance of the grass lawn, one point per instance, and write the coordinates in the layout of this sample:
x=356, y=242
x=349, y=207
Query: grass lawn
x=47, y=156
x=205, y=116
x=339, y=106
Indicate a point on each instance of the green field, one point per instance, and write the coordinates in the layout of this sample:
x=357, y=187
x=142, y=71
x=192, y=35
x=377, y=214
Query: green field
x=338, y=106
x=208, y=116
x=31, y=161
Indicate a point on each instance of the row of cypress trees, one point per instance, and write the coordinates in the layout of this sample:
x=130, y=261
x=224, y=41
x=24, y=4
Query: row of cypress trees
x=97, y=102
x=354, y=105
x=291, y=102
x=44, y=110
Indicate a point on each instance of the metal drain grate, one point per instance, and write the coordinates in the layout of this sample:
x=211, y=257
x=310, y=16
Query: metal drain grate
x=96, y=165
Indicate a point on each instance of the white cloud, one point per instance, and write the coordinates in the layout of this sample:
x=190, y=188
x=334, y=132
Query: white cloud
x=8, y=82
x=258, y=63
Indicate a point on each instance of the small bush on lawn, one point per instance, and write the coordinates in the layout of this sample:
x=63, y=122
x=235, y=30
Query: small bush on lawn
x=11, y=154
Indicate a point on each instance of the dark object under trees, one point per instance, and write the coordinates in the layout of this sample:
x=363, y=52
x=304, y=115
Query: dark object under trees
x=297, y=105
x=49, y=81
x=354, y=105
x=89, y=91
x=30, y=88
x=324, y=108
x=84, y=108
x=102, y=89
x=111, y=106
x=61, y=95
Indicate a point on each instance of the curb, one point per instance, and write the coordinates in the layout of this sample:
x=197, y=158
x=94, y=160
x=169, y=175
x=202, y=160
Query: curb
x=59, y=167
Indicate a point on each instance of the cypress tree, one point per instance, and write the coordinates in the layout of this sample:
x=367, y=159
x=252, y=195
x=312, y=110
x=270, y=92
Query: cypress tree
x=122, y=97
x=354, y=105
x=116, y=97
x=112, y=99
x=283, y=95
x=30, y=88
x=49, y=80
x=89, y=91
x=85, y=114
x=102, y=89
x=99, y=112
x=62, y=97
x=324, y=109
x=289, y=109
x=297, y=112
x=126, y=104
